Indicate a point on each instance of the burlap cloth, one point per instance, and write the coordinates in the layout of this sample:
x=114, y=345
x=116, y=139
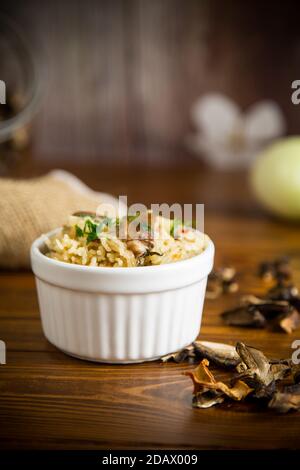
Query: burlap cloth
x=29, y=208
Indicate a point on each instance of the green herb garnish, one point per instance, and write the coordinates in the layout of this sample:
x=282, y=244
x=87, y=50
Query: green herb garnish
x=90, y=229
x=131, y=218
x=79, y=231
x=176, y=223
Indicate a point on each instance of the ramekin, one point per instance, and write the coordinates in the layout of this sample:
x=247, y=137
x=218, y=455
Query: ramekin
x=120, y=315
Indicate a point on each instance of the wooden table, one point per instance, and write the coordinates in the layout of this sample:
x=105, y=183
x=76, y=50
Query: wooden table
x=49, y=400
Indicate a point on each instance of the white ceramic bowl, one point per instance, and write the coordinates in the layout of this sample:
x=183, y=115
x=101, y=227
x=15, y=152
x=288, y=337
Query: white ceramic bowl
x=121, y=315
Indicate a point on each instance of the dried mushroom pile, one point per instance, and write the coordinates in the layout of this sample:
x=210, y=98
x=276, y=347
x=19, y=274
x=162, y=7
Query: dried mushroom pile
x=278, y=309
x=274, y=383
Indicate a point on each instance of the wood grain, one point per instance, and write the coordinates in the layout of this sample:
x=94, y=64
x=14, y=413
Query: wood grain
x=50, y=400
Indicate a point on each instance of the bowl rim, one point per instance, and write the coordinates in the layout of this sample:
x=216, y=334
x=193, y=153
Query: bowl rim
x=36, y=252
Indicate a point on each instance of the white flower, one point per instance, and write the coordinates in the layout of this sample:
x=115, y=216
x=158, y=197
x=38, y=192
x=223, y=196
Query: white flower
x=228, y=138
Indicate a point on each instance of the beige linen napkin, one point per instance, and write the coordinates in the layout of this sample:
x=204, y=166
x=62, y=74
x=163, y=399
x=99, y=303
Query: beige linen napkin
x=29, y=208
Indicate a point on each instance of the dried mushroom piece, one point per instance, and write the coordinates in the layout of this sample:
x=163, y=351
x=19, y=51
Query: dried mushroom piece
x=280, y=370
x=246, y=316
x=268, y=308
x=290, y=322
x=223, y=355
x=279, y=308
x=204, y=380
x=295, y=302
x=284, y=402
x=84, y=214
x=276, y=270
x=257, y=371
x=185, y=355
x=257, y=365
x=221, y=281
x=295, y=370
x=257, y=377
x=283, y=292
x=287, y=362
x=207, y=399
x=202, y=377
x=255, y=312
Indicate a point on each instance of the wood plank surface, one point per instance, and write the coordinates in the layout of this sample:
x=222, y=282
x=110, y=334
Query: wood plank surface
x=50, y=400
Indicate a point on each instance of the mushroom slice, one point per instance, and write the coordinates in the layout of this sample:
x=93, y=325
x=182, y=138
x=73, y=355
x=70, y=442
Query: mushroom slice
x=204, y=380
x=284, y=402
x=220, y=354
x=283, y=292
x=84, y=214
x=290, y=322
x=244, y=316
x=267, y=307
x=296, y=373
x=207, y=399
x=280, y=370
x=257, y=367
x=186, y=354
x=276, y=270
x=138, y=247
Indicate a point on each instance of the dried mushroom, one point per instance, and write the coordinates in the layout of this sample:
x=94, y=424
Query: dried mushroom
x=221, y=281
x=245, y=315
x=256, y=371
x=268, y=308
x=258, y=313
x=290, y=322
x=296, y=373
x=207, y=399
x=276, y=270
x=84, y=214
x=222, y=355
x=283, y=292
x=257, y=367
x=185, y=355
x=284, y=402
x=279, y=308
x=280, y=370
x=257, y=377
x=205, y=381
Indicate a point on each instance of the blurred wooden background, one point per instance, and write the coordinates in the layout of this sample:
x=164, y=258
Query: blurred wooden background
x=120, y=76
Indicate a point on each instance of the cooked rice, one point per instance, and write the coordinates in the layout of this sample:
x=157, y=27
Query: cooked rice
x=71, y=244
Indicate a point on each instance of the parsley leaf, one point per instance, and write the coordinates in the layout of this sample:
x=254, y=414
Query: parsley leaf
x=131, y=218
x=90, y=229
x=174, y=227
x=79, y=231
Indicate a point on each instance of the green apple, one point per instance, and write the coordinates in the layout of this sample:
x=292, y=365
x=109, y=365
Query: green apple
x=275, y=177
